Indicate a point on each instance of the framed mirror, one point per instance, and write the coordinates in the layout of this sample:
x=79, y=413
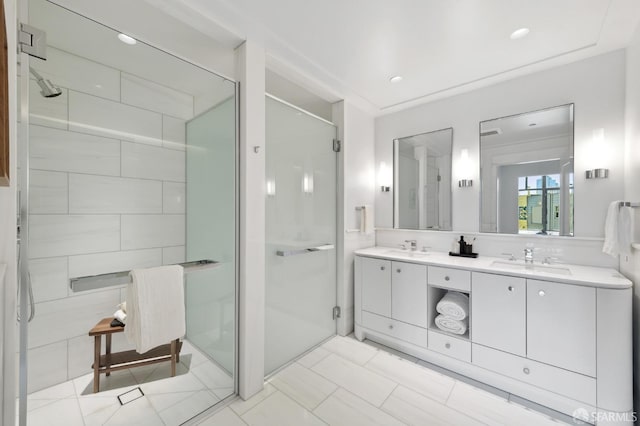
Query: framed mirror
x=422, y=181
x=526, y=173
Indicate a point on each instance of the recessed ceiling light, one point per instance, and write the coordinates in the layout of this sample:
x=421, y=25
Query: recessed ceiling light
x=127, y=39
x=395, y=78
x=519, y=33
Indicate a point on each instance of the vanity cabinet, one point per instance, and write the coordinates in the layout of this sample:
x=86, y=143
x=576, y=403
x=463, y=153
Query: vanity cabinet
x=561, y=325
x=394, y=298
x=499, y=317
x=566, y=345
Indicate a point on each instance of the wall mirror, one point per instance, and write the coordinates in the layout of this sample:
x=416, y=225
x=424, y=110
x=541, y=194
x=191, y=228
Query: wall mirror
x=422, y=181
x=526, y=173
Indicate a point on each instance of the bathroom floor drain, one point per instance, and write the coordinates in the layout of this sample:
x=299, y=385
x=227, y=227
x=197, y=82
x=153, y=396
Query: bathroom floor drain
x=131, y=395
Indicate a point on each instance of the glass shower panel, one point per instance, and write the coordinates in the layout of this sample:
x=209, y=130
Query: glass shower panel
x=300, y=233
x=132, y=164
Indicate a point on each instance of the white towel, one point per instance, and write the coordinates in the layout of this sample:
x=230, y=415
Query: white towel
x=611, y=244
x=451, y=325
x=454, y=305
x=155, y=307
x=625, y=230
x=120, y=316
x=366, y=220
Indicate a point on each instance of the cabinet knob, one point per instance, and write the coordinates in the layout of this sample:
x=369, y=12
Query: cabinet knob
x=541, y=293
x=510, y=288
x=525, y=370
x=447, y=345
x=446, y=278
x=382, y=268
x=390, y=326
x=398, y=270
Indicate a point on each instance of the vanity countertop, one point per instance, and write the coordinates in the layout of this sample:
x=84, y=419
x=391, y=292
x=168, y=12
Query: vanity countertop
x=564, y=273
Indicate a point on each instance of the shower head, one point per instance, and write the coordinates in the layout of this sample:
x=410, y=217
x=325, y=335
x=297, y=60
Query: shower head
x=49, y=90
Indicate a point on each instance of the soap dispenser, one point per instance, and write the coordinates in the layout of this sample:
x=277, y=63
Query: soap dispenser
x=462, y=244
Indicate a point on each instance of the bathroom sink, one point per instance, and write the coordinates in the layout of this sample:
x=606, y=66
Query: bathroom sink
x=536, y=267
x=408, y=253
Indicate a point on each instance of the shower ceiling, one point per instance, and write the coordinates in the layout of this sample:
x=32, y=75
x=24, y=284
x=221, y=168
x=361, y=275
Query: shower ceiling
x=439, y=47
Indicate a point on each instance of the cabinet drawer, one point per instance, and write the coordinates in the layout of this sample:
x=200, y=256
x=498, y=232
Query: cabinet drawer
x=450, y=278
x=397, y=329
x=448, y=345
x=573, y=385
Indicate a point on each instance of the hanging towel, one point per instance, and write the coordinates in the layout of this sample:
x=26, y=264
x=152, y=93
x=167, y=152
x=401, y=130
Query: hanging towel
x=155, y=307
x=366, y=220
x=451, y=325
x=454, y=305
x=611, y=234
x=625, y=230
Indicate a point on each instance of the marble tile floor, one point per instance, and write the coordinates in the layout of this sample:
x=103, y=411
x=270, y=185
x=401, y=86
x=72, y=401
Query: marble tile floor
x=347, y=382
x=198, y=385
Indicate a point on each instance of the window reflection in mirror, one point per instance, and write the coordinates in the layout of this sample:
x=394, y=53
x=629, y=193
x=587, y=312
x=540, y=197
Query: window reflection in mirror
x=422, y=181
x=526, y=167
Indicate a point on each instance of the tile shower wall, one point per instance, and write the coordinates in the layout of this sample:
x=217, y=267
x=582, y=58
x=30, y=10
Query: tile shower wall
x=107, y=193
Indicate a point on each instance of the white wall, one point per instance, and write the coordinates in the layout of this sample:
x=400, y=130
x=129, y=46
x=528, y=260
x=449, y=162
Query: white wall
x=356, y=131
x=595, y=85
x=8, y=289
x=630, y=265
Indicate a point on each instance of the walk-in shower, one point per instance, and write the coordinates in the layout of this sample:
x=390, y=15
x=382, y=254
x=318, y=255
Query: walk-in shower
x=128, y=161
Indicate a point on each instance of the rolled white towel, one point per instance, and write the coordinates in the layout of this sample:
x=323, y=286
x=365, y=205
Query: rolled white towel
x=451, y=325
x=123, y=307
x=120, y=316
x=454, y=305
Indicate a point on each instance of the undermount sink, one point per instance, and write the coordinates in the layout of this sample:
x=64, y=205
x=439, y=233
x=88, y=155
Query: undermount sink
x=408, y=253
x=536, y=267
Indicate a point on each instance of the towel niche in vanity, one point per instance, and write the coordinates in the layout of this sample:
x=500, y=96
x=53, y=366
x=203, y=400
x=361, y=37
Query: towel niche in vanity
x=563, y=342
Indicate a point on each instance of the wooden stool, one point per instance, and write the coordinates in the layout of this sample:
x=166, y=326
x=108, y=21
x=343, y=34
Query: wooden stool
x=127, y=359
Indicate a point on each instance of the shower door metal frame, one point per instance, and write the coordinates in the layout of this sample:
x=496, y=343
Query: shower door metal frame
x=23, y=213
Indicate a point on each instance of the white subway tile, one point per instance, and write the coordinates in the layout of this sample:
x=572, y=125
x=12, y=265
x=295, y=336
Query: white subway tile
x=59, y=235
x=104, y=195
x=70, y=317
x=146, y=231
x=155, y=97
x=80, y=74
x=174, y=132
x=48, y=192
x=59, y=150
x=171, y=255
x=149, y=162
x=50, y=112
x=102, y=117
x=49, y=278
x=47, y=366
x=102, y=263
x=173, y=198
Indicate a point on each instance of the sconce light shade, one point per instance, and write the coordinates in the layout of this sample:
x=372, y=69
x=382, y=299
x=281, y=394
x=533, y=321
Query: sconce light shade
x=597, y=174
x=384, y=177
x=465, y=183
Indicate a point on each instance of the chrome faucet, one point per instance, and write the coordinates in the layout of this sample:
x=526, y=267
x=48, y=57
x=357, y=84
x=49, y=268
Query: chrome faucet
x=528, y=255
x=414, y=244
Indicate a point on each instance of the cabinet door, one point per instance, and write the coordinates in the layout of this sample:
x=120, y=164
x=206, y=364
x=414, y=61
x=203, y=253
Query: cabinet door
x=409, y=293
x=561, y=325
x=376, y=286
x=498, y=312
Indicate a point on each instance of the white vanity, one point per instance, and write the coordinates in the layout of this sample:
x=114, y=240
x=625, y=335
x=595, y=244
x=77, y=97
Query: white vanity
x=558, y=335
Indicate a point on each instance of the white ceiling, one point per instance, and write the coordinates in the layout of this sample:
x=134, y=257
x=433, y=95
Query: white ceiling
x=350, y=48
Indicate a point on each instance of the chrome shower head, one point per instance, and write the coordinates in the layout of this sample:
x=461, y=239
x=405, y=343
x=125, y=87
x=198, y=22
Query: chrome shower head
x=48, y=89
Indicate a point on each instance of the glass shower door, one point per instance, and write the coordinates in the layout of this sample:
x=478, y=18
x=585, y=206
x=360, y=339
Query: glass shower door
x=300, y=232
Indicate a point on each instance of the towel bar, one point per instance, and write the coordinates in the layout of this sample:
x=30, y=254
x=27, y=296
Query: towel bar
x=303, y=250
x=93, y=282
x=629, y=204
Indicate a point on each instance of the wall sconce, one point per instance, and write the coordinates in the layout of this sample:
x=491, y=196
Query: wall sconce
x=307, y=184
x=271, y=188
x=384, y=177
x=597, y=174
x=464, y=166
